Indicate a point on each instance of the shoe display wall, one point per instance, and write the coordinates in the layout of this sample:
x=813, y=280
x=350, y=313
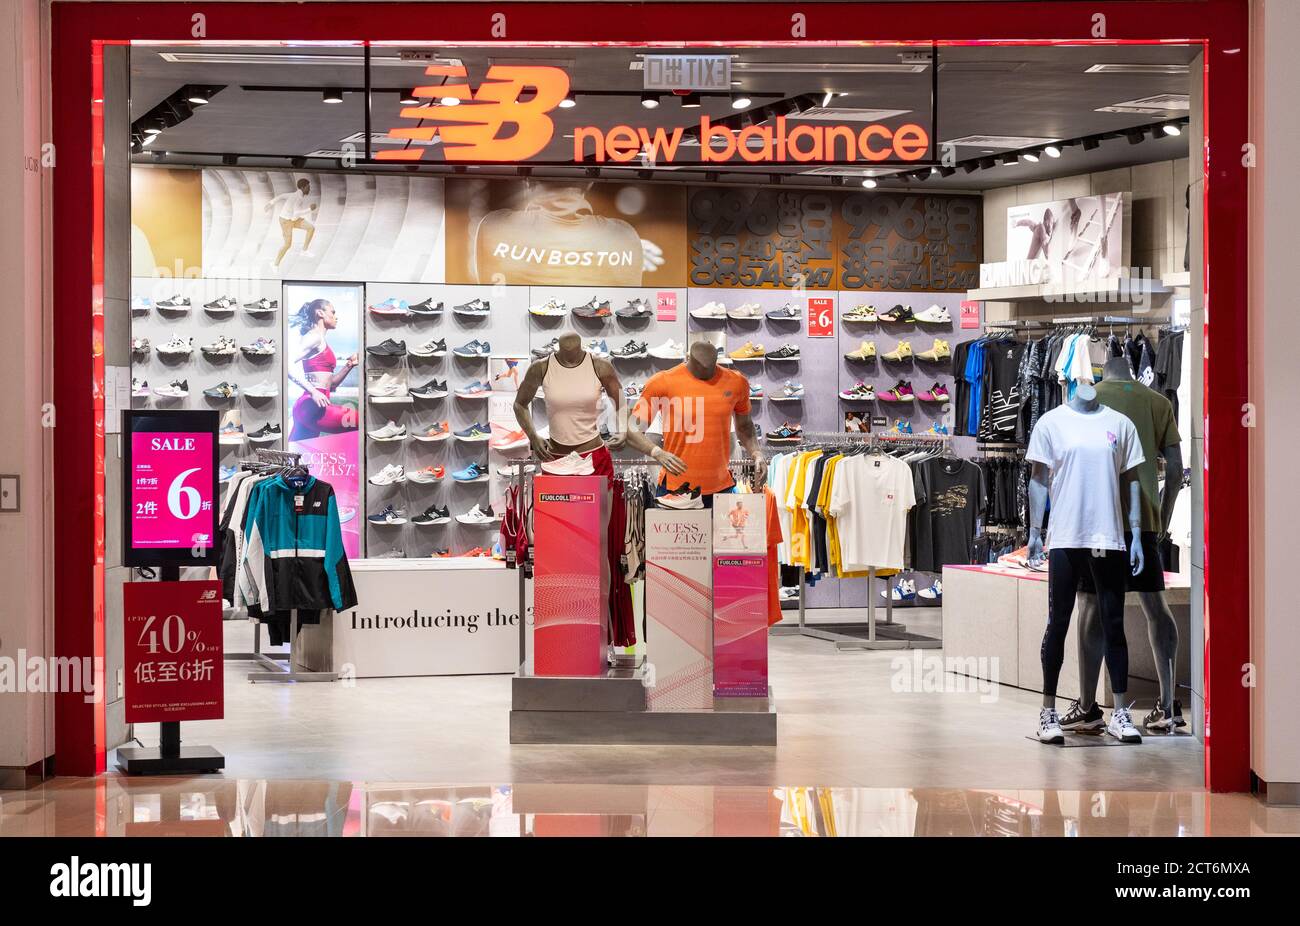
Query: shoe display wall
x=217, y=372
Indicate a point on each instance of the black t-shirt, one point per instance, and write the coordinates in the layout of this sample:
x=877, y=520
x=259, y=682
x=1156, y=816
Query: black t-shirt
x=949, y=496
x=1002, y=360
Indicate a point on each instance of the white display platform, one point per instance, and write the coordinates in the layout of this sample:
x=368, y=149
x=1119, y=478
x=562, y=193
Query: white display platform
x=421, y=617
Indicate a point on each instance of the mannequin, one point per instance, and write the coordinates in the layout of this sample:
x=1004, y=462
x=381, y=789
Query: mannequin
x=570, y=356
x=1162, y=631
x=1093, y=453
x=697, y=402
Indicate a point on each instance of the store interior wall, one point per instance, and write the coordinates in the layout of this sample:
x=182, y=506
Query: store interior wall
x=1274, y=383
x=26, y=611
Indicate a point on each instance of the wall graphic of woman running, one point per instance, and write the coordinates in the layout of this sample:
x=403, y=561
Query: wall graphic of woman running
x=315, y=413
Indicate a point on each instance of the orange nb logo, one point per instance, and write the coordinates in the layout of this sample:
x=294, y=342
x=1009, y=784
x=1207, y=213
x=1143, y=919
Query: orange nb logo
x=516, y=96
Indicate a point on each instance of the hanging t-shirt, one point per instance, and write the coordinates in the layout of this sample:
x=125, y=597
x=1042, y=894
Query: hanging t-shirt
x=1003, y=361
x=1087, y=453
x=949, y=496
x=1153, y=417
x=870, y=500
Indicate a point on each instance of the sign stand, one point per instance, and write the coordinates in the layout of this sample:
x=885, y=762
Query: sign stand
x=169, y=755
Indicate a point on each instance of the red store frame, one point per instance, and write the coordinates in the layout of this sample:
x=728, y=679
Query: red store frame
x=80, y=30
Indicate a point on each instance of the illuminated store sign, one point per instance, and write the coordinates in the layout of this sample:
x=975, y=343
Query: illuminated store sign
x=470, y=124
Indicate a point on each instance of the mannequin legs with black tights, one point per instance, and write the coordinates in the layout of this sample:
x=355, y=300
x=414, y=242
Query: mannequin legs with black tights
x=1067, y=568
x=1162, y=631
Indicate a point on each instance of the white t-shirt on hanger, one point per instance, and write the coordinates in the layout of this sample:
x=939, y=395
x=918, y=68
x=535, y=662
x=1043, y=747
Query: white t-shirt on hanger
x=870, y=500
x=1087, y=453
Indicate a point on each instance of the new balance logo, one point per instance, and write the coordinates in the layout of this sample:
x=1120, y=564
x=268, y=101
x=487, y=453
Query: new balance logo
x=472, y=130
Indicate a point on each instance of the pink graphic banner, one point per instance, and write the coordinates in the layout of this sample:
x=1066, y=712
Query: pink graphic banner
x=336, y=459
x=171, y=489
x=679, y=608
x=739, y=626
x=570, y=575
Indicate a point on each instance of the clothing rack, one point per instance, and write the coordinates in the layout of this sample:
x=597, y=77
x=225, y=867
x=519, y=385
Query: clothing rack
x=874, y=641
x=1044, y=324
x=287, y=463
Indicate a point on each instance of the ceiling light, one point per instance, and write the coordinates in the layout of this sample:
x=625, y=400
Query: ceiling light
x=198, y=97
x=569, y=102
x=934, y=171
x=1171, y=128
x=740, y=101
x=450, y=101
x=152, y=129
x=1052, y=151
x=1010, y=160
x=869, y=183
x=408, y=98
x=1031, y=156
x=148, y=140
x=1091, y=144
x=332, y=95
x=649, y=100
x=826, y=100
x=691, y=101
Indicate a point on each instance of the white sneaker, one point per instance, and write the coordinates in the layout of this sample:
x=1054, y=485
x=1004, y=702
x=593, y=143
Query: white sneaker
x=934, y=592
x=1121, y=726
x=904, y=590
x=510, y=470
x=710, y=310
x=571, y=464
x=1049, y=727
x=139, y=387
x=747, y=311
x=263, y=390
x=387, y=386
x=668, y=350
x=477, y=515
x=935, y=315
x=221, y=347
x=434, y=347
x=551, y=307
x=389, y=432
x=392, y=474
x=177, y=345
x=176, y=389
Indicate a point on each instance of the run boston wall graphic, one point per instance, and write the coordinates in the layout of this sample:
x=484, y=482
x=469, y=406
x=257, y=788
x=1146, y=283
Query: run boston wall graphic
x=171, y=487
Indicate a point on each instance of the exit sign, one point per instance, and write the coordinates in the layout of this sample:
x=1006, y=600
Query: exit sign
x=687, y=72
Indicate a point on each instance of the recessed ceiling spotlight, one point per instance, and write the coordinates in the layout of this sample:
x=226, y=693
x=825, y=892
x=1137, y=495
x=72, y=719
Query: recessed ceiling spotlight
x=198, y=97
x=740, y=100
x=870, y=183
x=650, y=100
x=450, y=101
x=934, y=171
x=691, y=101
x=1031, y=157
x=569, y=102
x=153, y=129
x=332, y=95
x=1171, y=128
x=1010, y=160
x=1052, y=151
x=408, y=97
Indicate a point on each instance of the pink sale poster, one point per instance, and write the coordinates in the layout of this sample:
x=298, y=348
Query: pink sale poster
x=739, y=626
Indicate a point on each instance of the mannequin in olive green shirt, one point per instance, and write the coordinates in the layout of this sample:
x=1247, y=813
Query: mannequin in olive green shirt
x=1161, y=434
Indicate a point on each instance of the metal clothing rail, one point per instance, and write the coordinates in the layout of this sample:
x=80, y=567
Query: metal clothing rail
x=874, y=640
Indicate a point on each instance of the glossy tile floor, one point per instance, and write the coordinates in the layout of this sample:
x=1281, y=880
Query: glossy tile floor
x=221, y=807
x=841, y=723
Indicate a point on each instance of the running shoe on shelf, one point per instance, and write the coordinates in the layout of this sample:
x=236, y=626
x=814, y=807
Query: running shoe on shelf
x=176, y=347
x=745, y=312
x=176, y=389
x=636, y=308
x=551, y=308
x=786, y=434
x=474, y=390
x=787, y=313
x=262, y=306
x=710, y=310
x=474, y=433
x=390, y=516
x=475, y=307
x=902, y=351
x=263, y=390
x=866, y=350
x=434, y=347
x=477, y=516
x=474, y=349
x=632, y=350
x=934, y=315
x=427, y=475
x=392, y=431
x=433, y=389
x=434, y=514
x=177, y=303
x=749, y=351
x=439, y=430
x=936, y=393
x=222, y=390
x=222, y=305
x=541, y=353
x=938, y=352
x=391, y=475
x=899, y=314
x=474, y=472
x=387, y=348
x=391, y=306
x=426, y=308
x=859, y=392
x=901, y=392
x=387, y=386
x=262, y=347
x=860, y=314
x=221, y=347
x=266, y=434
x=596, y=308
x=784, y=352
x=668, y=350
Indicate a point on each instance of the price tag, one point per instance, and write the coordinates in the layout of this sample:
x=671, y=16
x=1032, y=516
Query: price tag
x=970, y=313
x=821, y=317
x=666, y=307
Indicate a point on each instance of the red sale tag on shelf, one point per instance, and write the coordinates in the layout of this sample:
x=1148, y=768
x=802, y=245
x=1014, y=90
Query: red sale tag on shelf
x=666, y=307
x=970, y=314
x=821, y=317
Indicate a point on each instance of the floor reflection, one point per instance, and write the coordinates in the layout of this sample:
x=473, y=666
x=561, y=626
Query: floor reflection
x=211, y=806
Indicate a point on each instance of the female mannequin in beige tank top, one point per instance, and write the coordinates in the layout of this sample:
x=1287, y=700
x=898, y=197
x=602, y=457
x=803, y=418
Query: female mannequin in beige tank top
x=579, y=424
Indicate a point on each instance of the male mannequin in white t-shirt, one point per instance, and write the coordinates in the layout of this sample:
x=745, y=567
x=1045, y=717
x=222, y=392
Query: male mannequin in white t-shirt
x=1101, y=562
